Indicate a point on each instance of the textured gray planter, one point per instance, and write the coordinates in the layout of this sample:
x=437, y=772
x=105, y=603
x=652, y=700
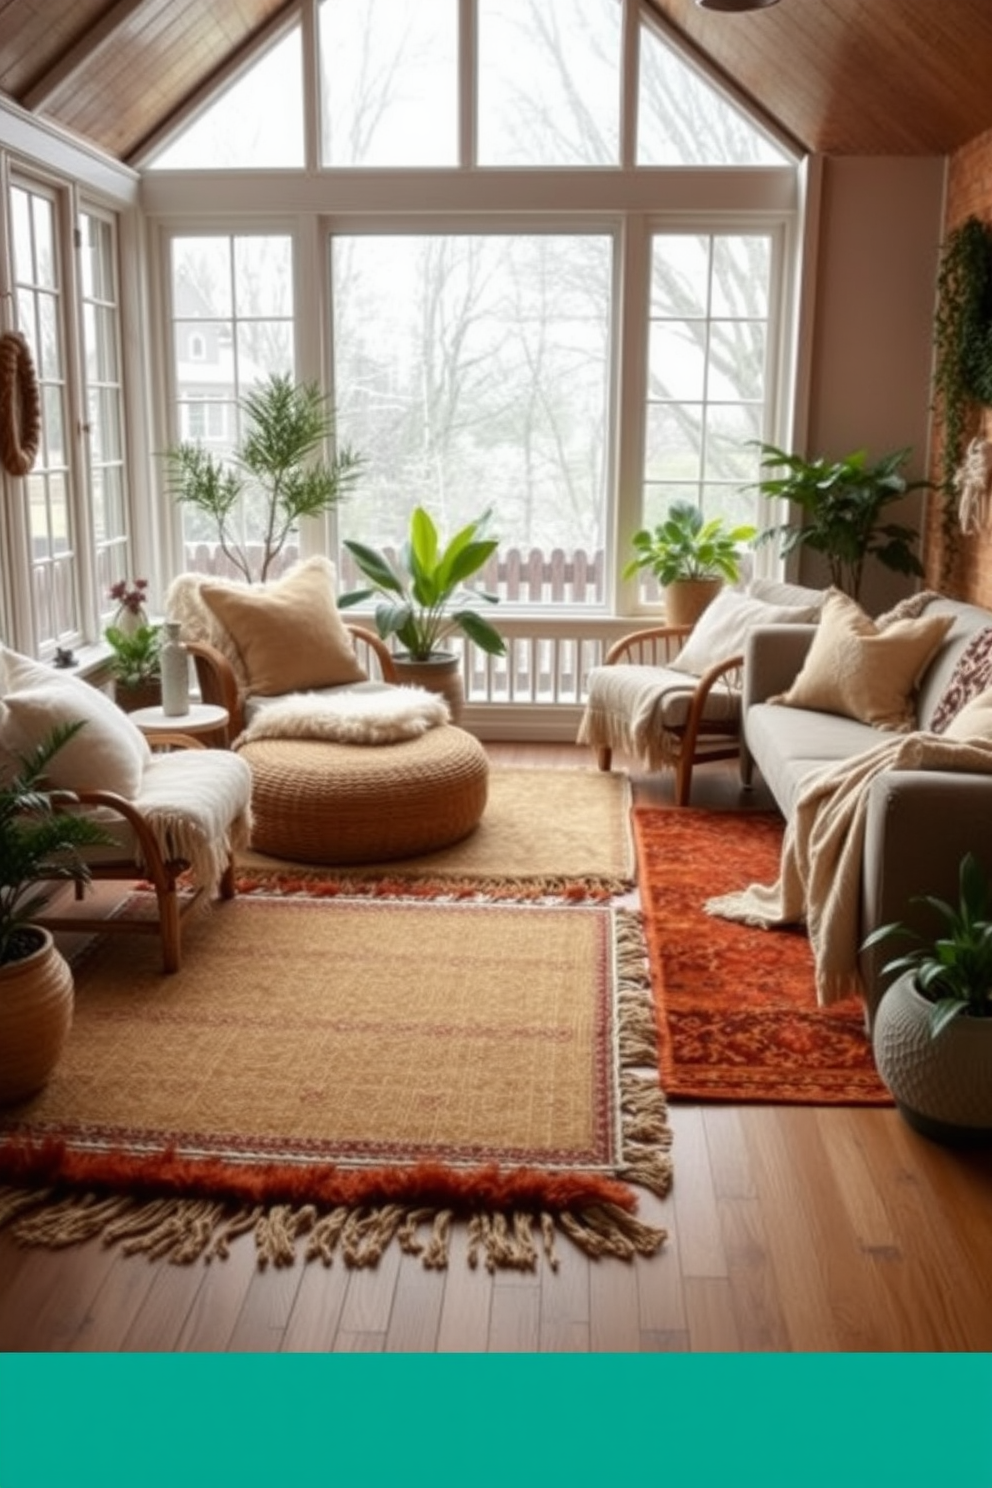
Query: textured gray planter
x=941, y=1086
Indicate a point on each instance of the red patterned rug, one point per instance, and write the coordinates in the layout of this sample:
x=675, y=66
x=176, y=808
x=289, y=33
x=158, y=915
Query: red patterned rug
x=738, y=1018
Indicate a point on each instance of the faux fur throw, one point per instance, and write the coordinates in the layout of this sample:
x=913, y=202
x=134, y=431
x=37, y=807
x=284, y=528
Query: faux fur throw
x=820, y=872
x=384, y=716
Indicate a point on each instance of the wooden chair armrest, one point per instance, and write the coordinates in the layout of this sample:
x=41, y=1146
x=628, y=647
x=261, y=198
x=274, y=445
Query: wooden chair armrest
x=155, y=866
x=637, y=640
x=378, y=647
x=217, y=681
x=705, y=685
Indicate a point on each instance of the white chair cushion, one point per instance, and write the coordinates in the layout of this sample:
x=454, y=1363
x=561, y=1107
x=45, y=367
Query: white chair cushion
x=108, y=753
x=721, y=629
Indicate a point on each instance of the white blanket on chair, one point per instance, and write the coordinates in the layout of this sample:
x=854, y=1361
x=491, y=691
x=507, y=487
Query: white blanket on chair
x=820, y=873
x=196, y=803
x=385, y=715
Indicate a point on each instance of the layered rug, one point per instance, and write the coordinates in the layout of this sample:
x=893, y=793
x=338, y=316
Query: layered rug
x=335, y=1076
x=563, y=833
x=737, y=1009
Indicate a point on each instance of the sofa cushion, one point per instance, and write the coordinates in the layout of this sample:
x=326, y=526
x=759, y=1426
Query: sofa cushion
x=974, y=721
x=108, y=753
x=722, y=628
x=790, y=745
x=780, y=592
x=972, y=675
x=289, y=634
x=858, y=670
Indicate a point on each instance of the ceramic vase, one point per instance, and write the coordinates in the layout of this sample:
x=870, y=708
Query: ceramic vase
x=441, y=673
x=174, y=671
x=942, y=1086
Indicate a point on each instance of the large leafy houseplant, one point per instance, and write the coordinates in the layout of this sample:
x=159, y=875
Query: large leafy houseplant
x=839, y=511
x=687, y=546
x=278, y=466
x=423, y=595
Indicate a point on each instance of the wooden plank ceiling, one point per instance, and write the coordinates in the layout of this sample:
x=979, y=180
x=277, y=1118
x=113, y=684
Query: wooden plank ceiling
x=842, y=77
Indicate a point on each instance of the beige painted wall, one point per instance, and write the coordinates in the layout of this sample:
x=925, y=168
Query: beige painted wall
x=880, y=226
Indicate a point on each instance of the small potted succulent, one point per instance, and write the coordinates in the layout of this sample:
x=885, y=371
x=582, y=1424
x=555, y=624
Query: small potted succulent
x=691, y=557
x=932, y=1036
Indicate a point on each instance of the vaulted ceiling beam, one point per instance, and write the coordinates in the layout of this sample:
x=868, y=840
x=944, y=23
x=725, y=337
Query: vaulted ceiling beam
x=80, y=54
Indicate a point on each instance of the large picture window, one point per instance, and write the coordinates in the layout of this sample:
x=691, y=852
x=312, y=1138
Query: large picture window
x=475, y=372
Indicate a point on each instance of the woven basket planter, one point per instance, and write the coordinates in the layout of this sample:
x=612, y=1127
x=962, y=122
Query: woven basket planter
x=686, y=599
x=36, y=1003
x=942, y=1086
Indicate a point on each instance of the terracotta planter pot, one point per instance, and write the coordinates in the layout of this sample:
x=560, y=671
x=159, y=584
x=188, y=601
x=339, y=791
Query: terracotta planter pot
x=686, y=599
x=442, y=673
x=36, y=1004
x=942, y=1086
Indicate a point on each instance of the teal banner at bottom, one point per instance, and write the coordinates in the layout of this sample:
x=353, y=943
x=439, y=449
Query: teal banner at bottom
x=420, y=1421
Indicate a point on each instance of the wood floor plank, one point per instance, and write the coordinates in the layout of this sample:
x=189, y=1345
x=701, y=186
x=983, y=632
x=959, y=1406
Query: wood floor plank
x=468, y=1292
x=564, y=1321
x=266, y=1311
x=159, y=1322
x=695, y=1215
x=316, y=1316
x=515, y=1317
x=116, y=1306
x=55, y=1291
x=416, y=1313
x=214, y=1313
x=614, y=1323
x=369, y=1299
x=660, y=1289
x=709, y=1310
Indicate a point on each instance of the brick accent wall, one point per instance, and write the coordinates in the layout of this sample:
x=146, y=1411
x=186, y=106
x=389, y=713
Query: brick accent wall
x=969, y=194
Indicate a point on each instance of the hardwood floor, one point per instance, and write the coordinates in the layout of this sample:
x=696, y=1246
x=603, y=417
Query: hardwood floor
x=790, y=1228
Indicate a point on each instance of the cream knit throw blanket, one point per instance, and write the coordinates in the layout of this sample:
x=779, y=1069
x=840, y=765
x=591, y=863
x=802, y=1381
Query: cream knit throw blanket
x=197, y=805
x=820, y=873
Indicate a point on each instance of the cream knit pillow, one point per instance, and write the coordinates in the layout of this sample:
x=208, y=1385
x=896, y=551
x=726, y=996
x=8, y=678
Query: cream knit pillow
x=859, y=670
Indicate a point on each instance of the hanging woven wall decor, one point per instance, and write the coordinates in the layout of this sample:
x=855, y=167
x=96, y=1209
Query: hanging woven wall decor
x=20, y=405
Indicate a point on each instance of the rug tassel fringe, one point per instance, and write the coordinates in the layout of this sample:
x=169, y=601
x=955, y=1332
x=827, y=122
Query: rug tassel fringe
x=182, y=1231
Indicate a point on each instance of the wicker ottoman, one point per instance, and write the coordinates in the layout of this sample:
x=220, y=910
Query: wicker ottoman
x=317, y=802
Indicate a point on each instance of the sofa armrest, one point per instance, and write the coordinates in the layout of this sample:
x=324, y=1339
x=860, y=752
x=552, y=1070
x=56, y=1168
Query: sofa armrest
x=918, y=826
x=773, y=657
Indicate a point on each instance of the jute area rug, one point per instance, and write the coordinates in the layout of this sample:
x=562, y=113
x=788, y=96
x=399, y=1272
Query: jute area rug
x=737, y=1005
x=338, y=1075
x=543, y=832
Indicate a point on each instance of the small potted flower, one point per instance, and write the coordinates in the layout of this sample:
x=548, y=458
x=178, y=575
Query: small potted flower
x=134, y=643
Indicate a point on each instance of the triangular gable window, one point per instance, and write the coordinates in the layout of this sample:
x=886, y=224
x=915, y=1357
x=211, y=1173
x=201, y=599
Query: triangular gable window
x=255, y=124
x=683, y=120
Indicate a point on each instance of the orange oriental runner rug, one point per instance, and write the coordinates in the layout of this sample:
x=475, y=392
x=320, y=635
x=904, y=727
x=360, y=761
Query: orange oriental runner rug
x=338, y=1075
x=737, y=1011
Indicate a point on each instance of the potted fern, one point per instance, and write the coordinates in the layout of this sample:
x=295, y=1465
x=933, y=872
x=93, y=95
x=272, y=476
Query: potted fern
x=39, y=842
x=932, y=1036
x=691, y=558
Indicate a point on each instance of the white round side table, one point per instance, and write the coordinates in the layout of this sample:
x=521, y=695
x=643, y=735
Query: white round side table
x=202, y=718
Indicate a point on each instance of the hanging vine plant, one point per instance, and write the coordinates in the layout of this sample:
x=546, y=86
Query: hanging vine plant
x=962, y=359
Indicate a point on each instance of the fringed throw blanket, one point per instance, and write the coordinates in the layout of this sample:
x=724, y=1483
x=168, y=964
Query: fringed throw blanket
x=196, y=805
x=364, y=715
x=820, y=875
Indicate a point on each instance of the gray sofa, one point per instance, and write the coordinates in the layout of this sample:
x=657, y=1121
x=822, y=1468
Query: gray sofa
x=919, y=823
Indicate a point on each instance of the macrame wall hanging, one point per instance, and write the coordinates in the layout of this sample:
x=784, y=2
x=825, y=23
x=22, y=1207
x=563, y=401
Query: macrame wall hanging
x=20, y=405
x=973, y=483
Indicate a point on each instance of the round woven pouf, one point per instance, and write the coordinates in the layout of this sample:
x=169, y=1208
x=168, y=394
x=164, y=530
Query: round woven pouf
x=317, y=802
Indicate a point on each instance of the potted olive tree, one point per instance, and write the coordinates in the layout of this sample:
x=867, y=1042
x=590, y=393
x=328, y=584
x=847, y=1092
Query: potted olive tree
x=277, y=475
x=691, y=557
x=932, y=1036
x=39, y=841
x=424, y=599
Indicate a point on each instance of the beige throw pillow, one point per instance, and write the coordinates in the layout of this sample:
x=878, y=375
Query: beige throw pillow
x=723, y=627
x=290, y=635
x=974, y=720
x=856, y=669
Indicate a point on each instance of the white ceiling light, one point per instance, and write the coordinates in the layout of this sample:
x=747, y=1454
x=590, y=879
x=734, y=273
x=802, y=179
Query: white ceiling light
x=735, y=5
